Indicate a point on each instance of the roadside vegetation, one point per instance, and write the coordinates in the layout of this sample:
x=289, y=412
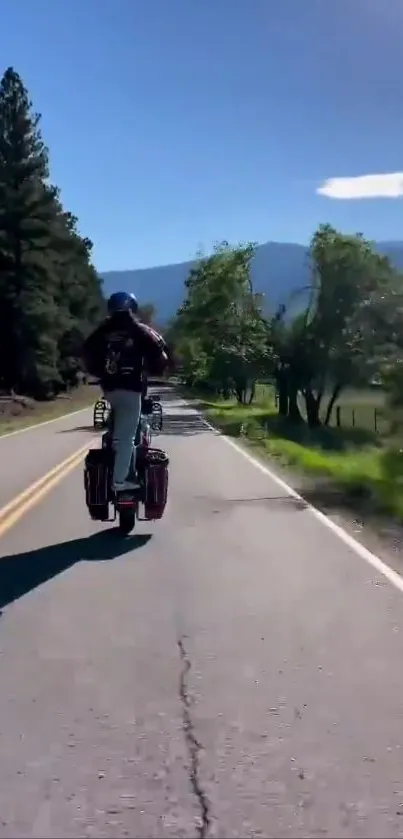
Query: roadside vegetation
x=18, y=412
x=332, y=403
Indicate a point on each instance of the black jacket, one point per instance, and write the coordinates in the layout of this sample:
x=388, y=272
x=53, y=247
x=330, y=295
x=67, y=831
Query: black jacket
x=119, y=351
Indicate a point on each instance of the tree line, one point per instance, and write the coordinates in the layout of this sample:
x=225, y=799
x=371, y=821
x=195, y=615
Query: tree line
x=50, y=293
x=348, y=334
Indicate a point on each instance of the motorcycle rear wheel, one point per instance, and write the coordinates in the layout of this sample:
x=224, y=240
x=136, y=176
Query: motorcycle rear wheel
x=127, y=520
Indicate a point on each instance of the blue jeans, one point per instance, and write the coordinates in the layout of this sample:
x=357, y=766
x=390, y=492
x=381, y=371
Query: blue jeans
x=126, y=407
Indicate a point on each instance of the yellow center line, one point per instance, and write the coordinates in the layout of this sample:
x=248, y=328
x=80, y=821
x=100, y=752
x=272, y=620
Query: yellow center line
x=18, y=506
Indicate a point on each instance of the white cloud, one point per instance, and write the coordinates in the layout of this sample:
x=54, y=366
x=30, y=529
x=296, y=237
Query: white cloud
x=365, y=186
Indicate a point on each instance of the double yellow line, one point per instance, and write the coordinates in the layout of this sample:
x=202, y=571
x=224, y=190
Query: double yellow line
x=15, y=509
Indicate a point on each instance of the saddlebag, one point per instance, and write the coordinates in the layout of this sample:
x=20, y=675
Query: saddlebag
x=97, y=477
x=155, y=483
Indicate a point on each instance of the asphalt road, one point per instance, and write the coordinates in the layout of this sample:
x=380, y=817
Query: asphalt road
x=233, y=670
x=26, y=456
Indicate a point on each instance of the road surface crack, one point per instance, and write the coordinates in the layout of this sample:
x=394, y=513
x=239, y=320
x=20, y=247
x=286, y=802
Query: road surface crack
x=192, y=744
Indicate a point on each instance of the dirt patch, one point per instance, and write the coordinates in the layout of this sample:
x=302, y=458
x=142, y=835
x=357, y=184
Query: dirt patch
x=18, y=411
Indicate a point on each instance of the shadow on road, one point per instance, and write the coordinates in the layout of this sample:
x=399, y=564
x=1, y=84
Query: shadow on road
x=89, y=428
x=184, y=424
x=181, y=423
x=20, y=573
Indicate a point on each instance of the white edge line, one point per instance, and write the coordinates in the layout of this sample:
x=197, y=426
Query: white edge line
x=369, y=557
x=42, y=424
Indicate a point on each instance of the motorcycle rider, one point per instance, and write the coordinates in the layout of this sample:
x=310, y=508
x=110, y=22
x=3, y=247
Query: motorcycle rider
x=117, y=353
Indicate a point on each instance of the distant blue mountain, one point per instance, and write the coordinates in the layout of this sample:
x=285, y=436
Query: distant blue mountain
x=278, y=271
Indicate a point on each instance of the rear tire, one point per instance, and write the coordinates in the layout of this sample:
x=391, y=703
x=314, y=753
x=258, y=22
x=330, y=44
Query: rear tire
x=127, y=520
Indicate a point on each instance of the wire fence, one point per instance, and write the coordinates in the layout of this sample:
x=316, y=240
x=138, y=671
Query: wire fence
x=360, y=414
x=369, y=417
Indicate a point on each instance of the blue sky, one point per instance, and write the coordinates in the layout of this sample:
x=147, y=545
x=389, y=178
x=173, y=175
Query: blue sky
x=174, y=123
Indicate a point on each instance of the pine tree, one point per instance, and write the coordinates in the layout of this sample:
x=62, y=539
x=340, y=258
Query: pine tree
x=50, y=294
x=79, y=296
x=26, y=208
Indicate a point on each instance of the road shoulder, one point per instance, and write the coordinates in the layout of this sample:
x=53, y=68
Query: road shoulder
x=382, y=535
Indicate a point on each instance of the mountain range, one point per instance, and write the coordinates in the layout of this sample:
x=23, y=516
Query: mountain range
x=278, y=269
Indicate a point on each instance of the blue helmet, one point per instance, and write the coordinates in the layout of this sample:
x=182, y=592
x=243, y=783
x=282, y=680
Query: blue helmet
x=122, y=301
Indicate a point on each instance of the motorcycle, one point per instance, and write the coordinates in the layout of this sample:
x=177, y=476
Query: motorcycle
x=157, y=420
x=150, y=406
x=151, y=474
x=101, y=415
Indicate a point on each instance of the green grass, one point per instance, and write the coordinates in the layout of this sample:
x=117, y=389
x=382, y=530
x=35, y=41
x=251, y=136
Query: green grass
x=355, y=460
x=23, y=413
